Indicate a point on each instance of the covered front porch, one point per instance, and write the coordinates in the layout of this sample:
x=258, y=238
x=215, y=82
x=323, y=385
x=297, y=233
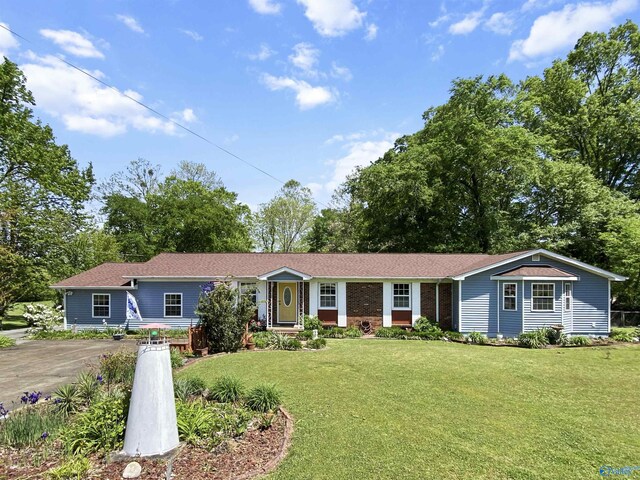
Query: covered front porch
x=287, y=299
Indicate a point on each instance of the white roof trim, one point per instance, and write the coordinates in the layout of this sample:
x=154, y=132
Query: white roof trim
x=585, y=266
x=94, y=287
x=520, y=277
x=266, y=276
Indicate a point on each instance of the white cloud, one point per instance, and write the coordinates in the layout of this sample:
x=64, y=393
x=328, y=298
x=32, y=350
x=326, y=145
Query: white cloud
x=187, y=115
x=343, y=73
x=265, y=7
x=232, y=139
x=537, y=4
x=562, y=28
x=72, y=42
x=361, y=148
x=372, y=32
x=500, y=23
x=131, y=23
x=193, y=35
x=307, y=96
x=7, y=41
x=305, y=57
x=333, y=18
x=263, y=54
x=437, y=55
x=84, y=105
x=440, y=20
x=468, y=24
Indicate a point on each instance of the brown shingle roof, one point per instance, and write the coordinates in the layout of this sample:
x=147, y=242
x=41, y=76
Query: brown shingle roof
x=105, y=275
x=336, y=265
x=536, y=271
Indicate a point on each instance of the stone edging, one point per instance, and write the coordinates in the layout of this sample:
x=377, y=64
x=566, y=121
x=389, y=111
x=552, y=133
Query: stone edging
x=284, y=449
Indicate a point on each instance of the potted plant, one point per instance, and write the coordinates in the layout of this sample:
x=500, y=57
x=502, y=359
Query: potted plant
x=118, y=334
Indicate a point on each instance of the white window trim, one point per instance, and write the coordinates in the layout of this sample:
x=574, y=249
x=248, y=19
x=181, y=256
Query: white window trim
x=564, y=295
x=254, y=286
x=93, y=305
x=514, y=297
x=393, y=297
x=164, y=309
x=320, y=295
x=553, y=297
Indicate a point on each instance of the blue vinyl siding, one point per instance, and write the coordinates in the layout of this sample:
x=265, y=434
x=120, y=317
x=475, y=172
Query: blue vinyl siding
x=510, y=320
x=80, y=309
x=479, y=297
x=150, y=297
x=285, y=277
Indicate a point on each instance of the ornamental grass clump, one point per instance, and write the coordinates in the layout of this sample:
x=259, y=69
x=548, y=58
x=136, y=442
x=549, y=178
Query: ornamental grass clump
x=264, y=398
x=30, y=425
x=227, y=389
x=317, y=344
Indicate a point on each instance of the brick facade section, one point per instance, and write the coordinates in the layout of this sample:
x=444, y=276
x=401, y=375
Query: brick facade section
x=446, y=312
x=364, y=303
x=428, y=303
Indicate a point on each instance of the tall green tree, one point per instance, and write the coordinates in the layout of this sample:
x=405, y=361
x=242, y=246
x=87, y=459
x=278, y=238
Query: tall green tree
x=42, y=188
x=282, y=224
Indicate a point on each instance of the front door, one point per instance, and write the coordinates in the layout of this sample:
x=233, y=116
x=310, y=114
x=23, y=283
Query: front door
x=287, y=302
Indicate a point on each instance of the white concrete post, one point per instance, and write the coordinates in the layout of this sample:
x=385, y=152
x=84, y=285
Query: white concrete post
x=313, y=298
x=342, y=304
x=387, y=300
x=415, y=302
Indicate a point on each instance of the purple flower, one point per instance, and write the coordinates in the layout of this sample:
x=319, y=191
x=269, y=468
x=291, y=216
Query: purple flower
x=30, y=398
x=44, y=435
x=47, y=398
x=99, y=379
x=3, y=411
x=57, y=401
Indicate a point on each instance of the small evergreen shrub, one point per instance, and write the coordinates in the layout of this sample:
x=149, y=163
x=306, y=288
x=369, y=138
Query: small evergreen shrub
x=423, y=324
x=74, y=468
x=226, y=389
x=185, y=388
x=335, y=332
x=86, y=387
x=312, y=323
x=353, y=332
x=177, y=360
x=261, y=339
x=305, y=335
x=264, y=398
x=66, y=399
x=317, y=344
x=6, y=342
x=580, y=341
x=390, y=332
x=451, y=335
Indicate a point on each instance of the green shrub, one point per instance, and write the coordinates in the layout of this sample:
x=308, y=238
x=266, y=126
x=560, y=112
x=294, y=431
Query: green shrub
x=423, y=324
x=206, y=425
x=74, y=468
x=227, y=389
x=390, y=332
x=27, y=427
x=621, y=335
x=177, y=360
x=317, y=344
x=264, y=398
x=280, y=341
x=477, y=337
x=305, y=335
x=224, y=313
x=184, y=388
x=353, y=332
x=312, y=323
x=86, y=387
x=451, y=335
x=66, y=399
x=580, y=340
x=98, y=429
x=535, y=339
x=335, y=332
x=261, y=339
x=118, y=367
x=6, y=342
x=433, y=332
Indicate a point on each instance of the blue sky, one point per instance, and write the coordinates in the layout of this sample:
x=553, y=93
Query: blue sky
x=304, y=89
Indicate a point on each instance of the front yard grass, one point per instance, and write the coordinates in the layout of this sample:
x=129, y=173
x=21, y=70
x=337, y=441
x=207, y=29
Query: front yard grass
x=403, y=409
x=14, y=319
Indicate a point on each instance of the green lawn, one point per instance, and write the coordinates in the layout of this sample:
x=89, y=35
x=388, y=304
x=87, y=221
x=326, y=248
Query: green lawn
x=414, y=409
x=14, y=319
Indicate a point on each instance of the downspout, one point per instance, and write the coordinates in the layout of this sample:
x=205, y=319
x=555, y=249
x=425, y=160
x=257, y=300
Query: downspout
x=438, y=301
x=64, y=308
x=498, y=305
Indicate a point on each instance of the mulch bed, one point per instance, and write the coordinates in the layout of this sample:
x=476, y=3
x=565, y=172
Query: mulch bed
x=255, y=453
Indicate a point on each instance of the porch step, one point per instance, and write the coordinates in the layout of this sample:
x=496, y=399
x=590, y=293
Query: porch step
x=285, y=330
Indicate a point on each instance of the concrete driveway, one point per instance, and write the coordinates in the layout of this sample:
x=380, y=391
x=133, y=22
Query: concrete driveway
x=44, y=365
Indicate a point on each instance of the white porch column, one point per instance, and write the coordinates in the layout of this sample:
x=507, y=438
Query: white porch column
x=387, y=300
x=261, y=299
x=342, y=304
x=313, y=298
x=415, y=302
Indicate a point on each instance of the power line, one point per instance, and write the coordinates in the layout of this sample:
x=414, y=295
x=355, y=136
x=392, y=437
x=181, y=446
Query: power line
x=159, y=114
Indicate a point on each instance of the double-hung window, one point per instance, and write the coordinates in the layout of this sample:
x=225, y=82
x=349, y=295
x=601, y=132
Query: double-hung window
x=542, y=297
x=402, y=295
x=250, y=289
x=173, y=305
x=509, y=295
x=328, y=296
x=101, y=305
